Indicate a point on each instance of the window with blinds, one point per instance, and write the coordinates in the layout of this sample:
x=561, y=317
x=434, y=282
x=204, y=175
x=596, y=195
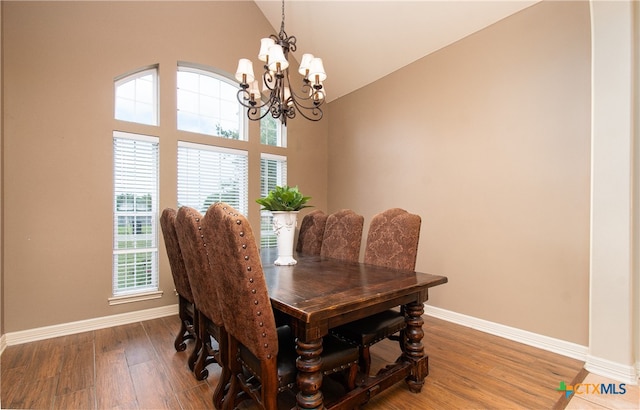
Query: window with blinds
x=273, y=171
x=136, y=98
x=209, y=174
x=135, y=210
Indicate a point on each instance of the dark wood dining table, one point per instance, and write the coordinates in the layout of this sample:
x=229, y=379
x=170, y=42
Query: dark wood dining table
x=318, y=294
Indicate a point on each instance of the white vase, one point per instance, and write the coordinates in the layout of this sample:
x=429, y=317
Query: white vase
x=284, y=225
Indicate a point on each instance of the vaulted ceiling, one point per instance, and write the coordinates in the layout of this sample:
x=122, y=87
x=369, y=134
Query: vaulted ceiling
x=361, y=41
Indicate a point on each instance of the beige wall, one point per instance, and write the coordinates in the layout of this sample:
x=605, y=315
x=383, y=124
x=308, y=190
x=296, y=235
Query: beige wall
x=60, y=60
x=489, y=141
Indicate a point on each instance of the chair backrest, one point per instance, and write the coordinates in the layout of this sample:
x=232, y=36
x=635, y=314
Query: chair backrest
x=343, y=235
x=174, y=252
x=203, y=280
x=393, y=238
x=242, y=290
x=311, y=232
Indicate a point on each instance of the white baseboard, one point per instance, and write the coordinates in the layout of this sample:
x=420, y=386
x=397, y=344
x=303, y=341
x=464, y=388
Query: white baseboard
x=3, y=343
x=612, y=370
x=64, y=329
x=550, y=344
x=602, y=367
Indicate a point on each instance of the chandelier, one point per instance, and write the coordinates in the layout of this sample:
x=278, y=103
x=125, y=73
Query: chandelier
x=276, y=95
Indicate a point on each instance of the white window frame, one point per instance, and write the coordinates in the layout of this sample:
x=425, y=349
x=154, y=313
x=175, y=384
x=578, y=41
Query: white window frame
x=243, y=126
x=151, y=291
x=136, y=76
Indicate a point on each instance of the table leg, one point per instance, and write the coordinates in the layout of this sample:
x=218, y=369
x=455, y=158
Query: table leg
x=309, y=378
x=414, y=350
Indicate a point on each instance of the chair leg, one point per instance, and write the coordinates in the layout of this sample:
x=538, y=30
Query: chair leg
x=269, y=383
x=223, y=387
x=206, y=355
x=351, y=377
x=199, y=369
x=234, y=367
x=401, y=340
x=186, y=321
x=229, y=401
x=365, y=360
x=193, y=358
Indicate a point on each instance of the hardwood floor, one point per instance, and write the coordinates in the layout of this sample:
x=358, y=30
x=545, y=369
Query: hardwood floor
x=136, y=367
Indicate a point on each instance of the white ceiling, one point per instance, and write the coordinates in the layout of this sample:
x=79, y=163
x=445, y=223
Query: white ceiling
x=361, y=41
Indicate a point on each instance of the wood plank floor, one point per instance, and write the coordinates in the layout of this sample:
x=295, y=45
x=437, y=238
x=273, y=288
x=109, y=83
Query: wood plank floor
x=136, y=367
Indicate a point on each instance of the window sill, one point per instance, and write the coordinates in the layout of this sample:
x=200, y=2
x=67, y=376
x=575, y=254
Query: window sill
x=137, y=297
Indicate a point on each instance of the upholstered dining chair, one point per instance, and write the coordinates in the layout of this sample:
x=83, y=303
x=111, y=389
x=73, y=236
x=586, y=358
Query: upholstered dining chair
x=190, y=235
x=311, y=232
x=186, y=308
x=262, y=356
x=392, y=242
x=342, y=235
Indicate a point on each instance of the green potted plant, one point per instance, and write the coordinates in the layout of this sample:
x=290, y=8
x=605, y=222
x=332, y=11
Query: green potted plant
x=284, y=202
x=284, y=198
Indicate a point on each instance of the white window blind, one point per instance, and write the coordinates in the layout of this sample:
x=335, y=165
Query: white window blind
x=273, y=171
x=136, y=98
x=209, y=174
x=135, y=210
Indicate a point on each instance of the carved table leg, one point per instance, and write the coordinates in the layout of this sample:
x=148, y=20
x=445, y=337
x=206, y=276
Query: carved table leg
x=414, y=350
x=309, y=378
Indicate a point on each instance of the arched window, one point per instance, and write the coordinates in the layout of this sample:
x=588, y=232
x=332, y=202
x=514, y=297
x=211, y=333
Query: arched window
x=135, y=190
x=136, y=98
x=207, y=104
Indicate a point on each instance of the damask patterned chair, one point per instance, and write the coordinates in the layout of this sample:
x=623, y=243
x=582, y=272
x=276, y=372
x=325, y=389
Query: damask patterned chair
x=211, y=332
x=263, y=356
x=342, y=236
x=186, y=308
x=311, y=233
x=392, y=242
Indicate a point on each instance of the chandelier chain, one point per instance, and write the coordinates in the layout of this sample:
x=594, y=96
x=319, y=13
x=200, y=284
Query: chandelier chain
x=282, y=23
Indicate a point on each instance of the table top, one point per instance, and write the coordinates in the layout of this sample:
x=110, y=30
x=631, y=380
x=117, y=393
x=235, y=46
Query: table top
x=321, y=293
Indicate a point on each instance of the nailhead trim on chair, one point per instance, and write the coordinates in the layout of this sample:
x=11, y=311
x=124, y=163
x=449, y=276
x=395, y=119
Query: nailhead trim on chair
x=246, y=366
x=246, y=258
x=342, y=367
